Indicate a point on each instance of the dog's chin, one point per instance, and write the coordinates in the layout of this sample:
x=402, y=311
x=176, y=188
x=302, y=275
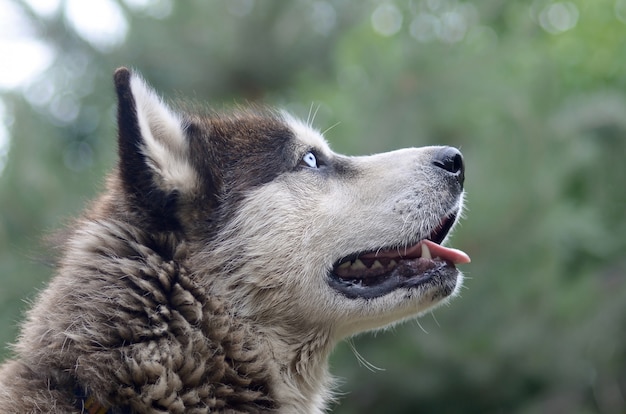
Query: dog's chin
x=425, y=265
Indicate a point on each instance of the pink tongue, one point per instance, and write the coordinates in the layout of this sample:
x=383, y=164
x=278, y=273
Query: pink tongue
x=436, y=250
x=452, y=255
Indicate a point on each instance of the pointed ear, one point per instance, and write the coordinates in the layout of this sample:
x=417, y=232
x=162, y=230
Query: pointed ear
x=154, y=162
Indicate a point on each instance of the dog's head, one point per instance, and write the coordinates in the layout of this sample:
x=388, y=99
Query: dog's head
x=285, y=230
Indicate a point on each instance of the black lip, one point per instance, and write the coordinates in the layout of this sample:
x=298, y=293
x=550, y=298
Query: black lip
x=439, y=274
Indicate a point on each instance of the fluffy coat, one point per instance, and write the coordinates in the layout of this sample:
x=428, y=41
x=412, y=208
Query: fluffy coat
x=205, y=278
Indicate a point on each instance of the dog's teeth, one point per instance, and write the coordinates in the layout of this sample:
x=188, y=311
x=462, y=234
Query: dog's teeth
x=377, y=265
x=425, y=252
x=345, y=265
x=358, y=265
x=393, y=263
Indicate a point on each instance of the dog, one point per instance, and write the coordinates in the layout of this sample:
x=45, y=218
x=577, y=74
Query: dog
x=228, y=255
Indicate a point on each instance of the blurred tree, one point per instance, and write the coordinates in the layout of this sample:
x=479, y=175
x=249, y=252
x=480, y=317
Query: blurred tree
x=532, y=91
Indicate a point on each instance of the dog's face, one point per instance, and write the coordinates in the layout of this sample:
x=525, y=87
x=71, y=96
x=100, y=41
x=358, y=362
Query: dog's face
x=288, y=232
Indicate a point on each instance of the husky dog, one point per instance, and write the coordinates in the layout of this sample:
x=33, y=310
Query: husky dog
x=226, y=258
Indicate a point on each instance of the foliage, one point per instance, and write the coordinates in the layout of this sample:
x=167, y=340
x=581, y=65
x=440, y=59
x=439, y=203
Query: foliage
x=532, y=91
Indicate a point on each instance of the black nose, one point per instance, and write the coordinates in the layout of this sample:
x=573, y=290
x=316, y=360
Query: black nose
x=451, y=160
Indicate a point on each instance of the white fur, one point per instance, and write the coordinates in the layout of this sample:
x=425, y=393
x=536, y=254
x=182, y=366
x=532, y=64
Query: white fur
x=307, y=135
x=164, y=139
x=289, y=233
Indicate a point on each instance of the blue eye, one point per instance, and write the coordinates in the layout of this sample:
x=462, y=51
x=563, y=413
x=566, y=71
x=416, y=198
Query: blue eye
x=310, y=160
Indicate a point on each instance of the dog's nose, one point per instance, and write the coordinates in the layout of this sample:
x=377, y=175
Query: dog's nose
x=451, y=160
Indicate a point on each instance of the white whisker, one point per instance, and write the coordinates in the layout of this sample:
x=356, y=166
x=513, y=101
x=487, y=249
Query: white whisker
x=308, y=117
x=361, y=359
x=435, y=318
x=315, y=114
x=421, y=327
x=331, y=127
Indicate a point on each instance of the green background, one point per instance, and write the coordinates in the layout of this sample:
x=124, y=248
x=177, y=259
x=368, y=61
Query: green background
x=533, y=92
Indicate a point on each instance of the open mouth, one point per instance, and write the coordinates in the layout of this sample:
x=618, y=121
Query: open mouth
x=375, y=273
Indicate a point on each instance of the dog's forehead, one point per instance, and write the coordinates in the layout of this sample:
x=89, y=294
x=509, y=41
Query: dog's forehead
x=305, y=135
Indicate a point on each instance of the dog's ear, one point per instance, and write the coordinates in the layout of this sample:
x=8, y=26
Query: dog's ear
x=154, y=162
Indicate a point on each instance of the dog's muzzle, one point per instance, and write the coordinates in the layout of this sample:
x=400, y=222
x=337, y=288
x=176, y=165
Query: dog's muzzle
x=376, y=273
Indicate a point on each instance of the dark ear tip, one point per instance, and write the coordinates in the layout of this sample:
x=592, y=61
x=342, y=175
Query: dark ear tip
x=121, y=77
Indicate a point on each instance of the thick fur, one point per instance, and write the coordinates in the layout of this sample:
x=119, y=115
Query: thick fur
x=198, y=282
